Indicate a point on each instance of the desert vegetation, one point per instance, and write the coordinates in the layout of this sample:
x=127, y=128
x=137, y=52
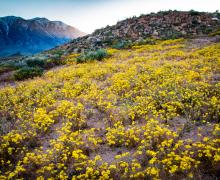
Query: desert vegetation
x=98, y=55
x=148, y=112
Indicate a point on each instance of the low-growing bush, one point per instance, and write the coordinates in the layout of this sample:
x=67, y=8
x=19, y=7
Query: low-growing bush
x=122, y=44
x=27, y=72
x=99, y=55
x=35, y=63
x=13, y=64
x=216, y=33
x=58, y=53
x=71, y=58
x=8, y=66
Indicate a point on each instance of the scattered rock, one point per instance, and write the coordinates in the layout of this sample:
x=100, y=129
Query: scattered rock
x=161, y=25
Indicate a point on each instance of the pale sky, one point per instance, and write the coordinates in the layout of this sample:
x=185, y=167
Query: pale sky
x=88, y=15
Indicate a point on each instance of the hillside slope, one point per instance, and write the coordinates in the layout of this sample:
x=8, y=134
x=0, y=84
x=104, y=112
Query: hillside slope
x=149, y=112
x=161, y=25
x=18, y=35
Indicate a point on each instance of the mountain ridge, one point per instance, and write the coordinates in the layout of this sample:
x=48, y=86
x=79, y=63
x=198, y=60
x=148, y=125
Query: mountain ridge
x=30, y=36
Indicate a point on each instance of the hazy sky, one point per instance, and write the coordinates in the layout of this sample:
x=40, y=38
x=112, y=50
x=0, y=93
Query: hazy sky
x=88, y=15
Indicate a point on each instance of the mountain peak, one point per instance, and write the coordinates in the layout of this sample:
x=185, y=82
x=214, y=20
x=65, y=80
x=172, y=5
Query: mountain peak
x=39, y=19
x=11, y=17
x=29, y=36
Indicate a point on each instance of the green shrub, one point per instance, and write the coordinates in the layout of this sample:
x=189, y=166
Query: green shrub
x=92, y=55
x=35, y=63
x=27, y=72
x=149, y=41
x=58, y=53
x=123, y=44
x=207, y=30
x=215, y=33
x=13, y=64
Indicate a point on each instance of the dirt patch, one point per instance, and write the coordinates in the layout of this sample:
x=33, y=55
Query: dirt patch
x=108, y=153
x=202, y=42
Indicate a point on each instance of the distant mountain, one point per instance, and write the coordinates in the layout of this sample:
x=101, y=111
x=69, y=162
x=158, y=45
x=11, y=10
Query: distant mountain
x=26, y=37
x=161, y=25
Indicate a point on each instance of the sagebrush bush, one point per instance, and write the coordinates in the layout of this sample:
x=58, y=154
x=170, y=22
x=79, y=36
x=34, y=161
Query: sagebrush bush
x=27, y=72
x=122, y=44
x=35, y=63
x=98, y=55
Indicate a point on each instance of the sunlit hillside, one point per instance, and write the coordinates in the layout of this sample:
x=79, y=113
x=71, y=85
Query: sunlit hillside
x=148, y=112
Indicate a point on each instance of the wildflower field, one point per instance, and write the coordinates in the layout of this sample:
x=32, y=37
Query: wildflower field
x=148, y=112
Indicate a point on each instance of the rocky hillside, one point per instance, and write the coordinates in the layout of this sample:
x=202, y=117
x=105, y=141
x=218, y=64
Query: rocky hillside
x=18, y=35
x=161, y=25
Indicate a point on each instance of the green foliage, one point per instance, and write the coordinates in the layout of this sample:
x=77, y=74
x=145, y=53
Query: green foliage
x=31, y=66
x=216, y=33
x=35, y=63
x=28, y=72
x=58, y=53
x=99, y=55
x=13, y=64
x=122, y=44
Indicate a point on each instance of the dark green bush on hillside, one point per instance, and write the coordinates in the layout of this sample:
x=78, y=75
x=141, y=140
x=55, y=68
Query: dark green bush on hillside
x=11, y=65
x=28, y=72
x=92, y=55
x=123, y=44
x=35, y=63
x=215, y=33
